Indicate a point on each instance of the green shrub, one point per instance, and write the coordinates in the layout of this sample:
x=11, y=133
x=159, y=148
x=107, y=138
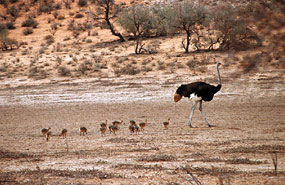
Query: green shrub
x=78, y=16
x=82, y=3
x=10, y=25
x=28, y=31
x=64, y=71
x=30, y=22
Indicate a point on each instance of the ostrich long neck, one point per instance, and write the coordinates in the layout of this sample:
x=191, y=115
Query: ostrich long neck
x=219, y=76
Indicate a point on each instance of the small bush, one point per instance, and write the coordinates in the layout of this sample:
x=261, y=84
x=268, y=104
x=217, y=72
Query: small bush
x=49, y=39
x=3, y=27
x=82, y=3
x=83, y=68
x=191, y=63
x=78, y=16
x=127, y=70
x=10, y=25
x=57, y=6
x=3, y=68
x=249, y=63
x=30, y=22
x=36, y=73
x=60, y=17
x=64, y=71
x=45, y=8
x=146, y=69
x=157, y=158
x=28, y=31
x=95, y=33
x=160, y=65
x=13, y=11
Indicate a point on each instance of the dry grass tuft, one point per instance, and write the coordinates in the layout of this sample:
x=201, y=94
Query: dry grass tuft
x=122, y=140
x=14, y=155
x=157, y=158
x=256, y=149
x=138, y=167
x=63, y=71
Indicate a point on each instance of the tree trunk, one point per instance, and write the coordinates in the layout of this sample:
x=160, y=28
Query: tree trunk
x=107, y=18
x=188, y=37
x=137, y=45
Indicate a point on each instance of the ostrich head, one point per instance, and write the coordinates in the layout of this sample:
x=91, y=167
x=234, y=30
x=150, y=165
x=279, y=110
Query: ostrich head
x=179, y=93
x=177, y=97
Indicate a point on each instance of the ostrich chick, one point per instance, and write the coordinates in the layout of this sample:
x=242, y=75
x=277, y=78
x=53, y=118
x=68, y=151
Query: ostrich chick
x=142, y=125
x=83, y=130
x=63, y=133
x=166, y=123
x=45, y=131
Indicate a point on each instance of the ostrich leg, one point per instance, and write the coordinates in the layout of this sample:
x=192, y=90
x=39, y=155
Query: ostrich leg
x=190, y=118
x=203, y=114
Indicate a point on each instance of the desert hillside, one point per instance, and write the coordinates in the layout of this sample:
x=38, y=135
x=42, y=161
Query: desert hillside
x=67, y=41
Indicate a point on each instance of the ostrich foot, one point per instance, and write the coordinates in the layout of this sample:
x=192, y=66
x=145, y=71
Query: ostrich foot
x=191, y=126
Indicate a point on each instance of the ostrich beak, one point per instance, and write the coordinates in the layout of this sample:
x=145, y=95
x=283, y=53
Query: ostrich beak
x=177, y=97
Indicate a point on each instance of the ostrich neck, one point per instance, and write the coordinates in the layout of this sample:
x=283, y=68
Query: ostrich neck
x=219, y=77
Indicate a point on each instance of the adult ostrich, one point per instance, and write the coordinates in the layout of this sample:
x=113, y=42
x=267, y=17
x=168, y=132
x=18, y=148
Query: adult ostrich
x=198, y=91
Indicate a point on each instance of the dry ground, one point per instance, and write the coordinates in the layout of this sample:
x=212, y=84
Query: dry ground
x=248, y=114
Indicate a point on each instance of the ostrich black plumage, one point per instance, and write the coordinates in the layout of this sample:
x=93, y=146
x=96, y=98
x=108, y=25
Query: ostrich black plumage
x=198, y=91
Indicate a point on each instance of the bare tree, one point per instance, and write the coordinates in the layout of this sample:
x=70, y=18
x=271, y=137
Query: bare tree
x=67, y=4
x=107, y=10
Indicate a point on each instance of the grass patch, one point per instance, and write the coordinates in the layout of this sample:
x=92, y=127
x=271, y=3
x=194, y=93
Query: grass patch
x=122, y=140
x=143, y=149
x=256, y=149
x=39, y=176
x=139, y=167
x=157, y=158
x=213, y=171
x=129, y=69
x=14, y=155
x=233, y=161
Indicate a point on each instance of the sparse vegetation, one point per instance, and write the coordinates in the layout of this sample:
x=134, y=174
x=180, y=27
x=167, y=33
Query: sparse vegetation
x=78, y=15
x=157, y=158
x=107, y=10
x=63, y=71
x=136, y=21
x=129, y=69
x=30, y=22
x=28, y=31
x=82, y=3
x=6, y=43
x=250, y=63
x=49, y=39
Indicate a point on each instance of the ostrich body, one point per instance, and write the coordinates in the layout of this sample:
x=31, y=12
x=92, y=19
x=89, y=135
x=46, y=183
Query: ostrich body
x=63, y=133
x=48, y=134
x=198, y=91
x=104, y=124
x=166, y=124
x=45, y=131
x=142, y=125
x=83, y=130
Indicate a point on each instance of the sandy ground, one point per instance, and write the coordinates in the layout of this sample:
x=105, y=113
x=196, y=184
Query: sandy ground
x=248, y=114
